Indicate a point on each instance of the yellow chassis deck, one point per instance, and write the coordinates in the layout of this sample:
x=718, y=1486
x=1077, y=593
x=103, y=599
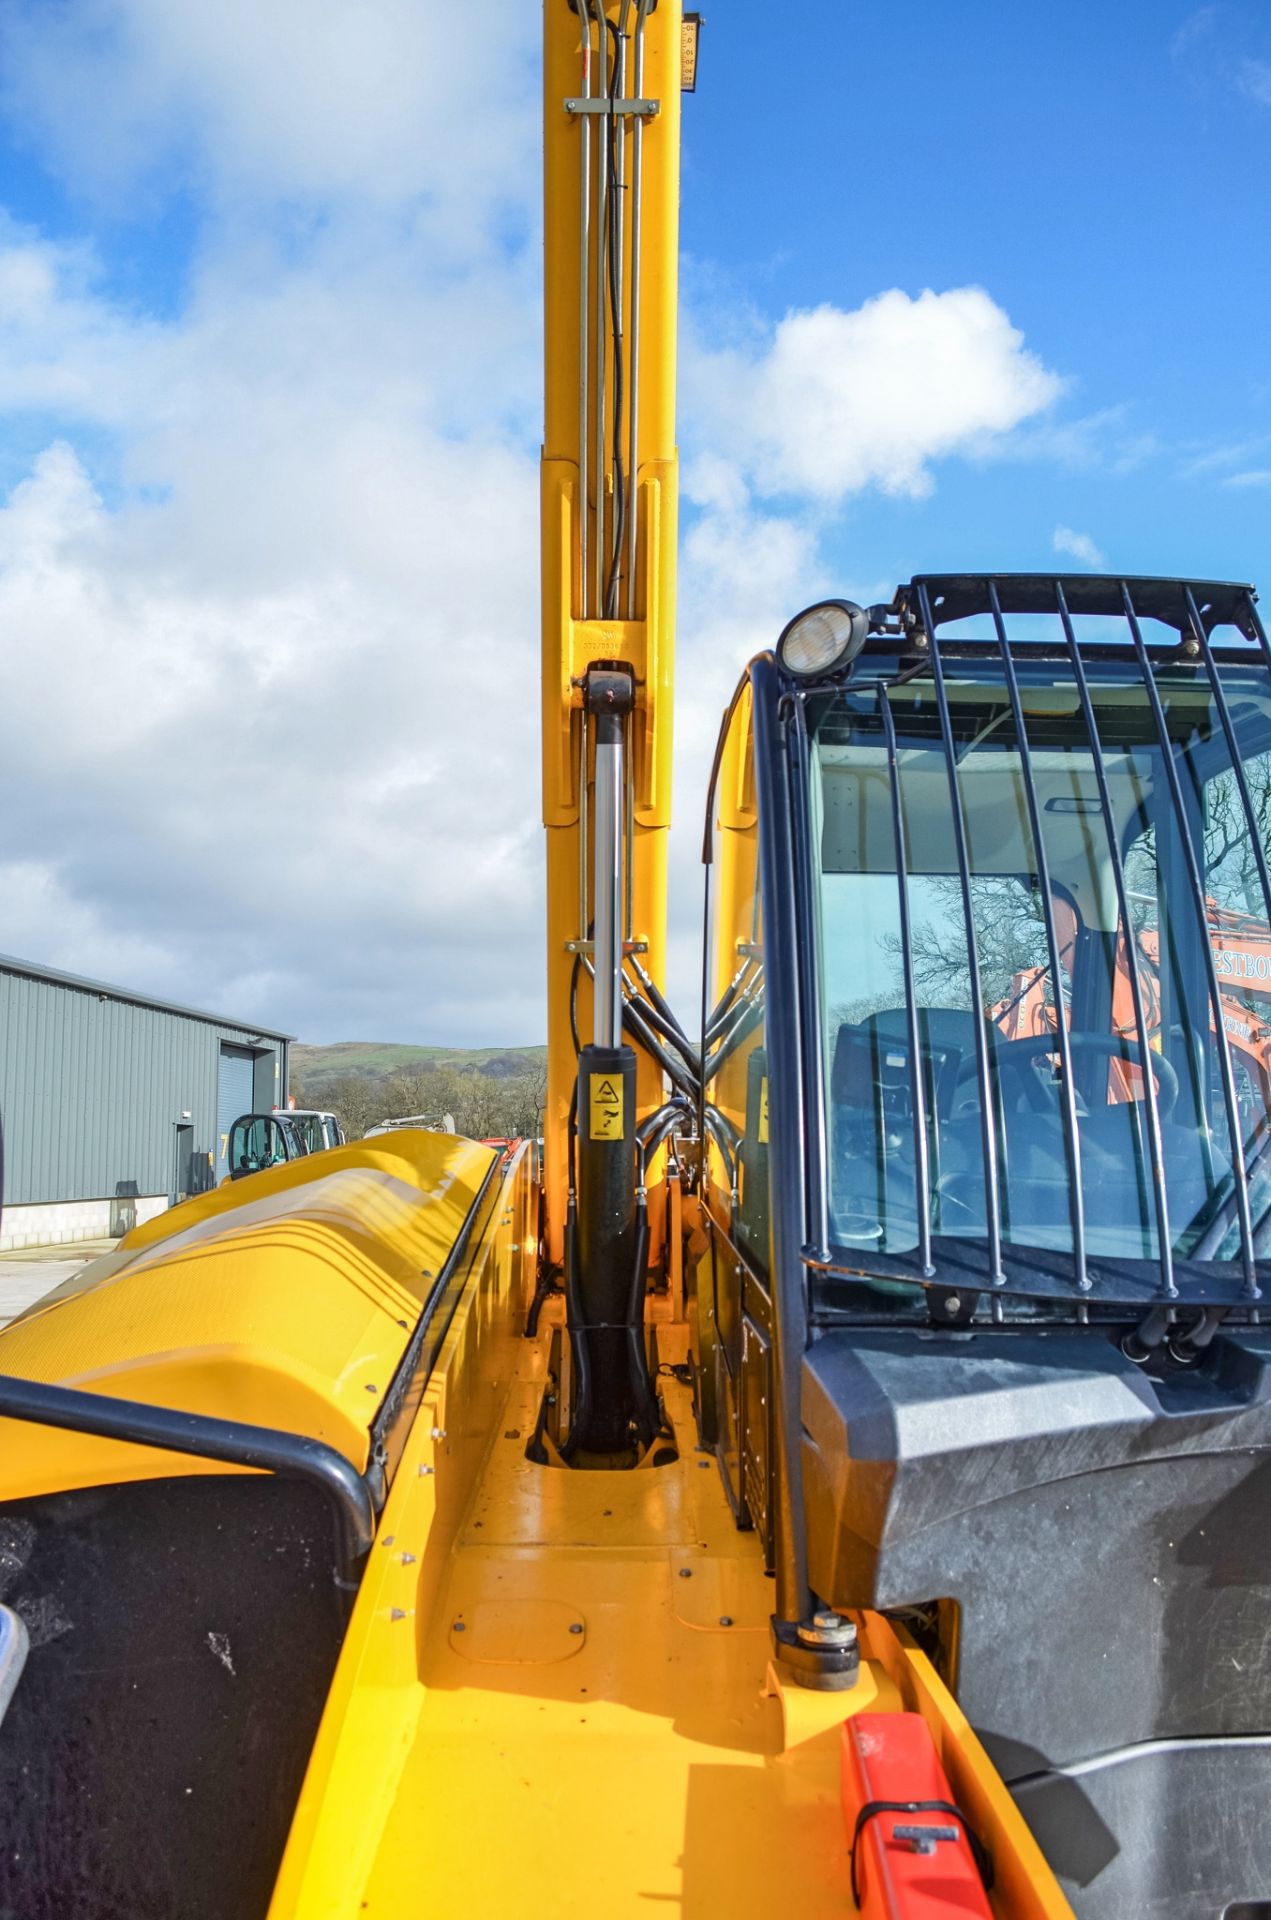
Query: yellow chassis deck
x=594, y=1720
x=558, y=1699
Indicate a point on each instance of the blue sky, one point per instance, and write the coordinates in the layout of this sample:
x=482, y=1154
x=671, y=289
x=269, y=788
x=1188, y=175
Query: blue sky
x=1103, y=172
x=962, y=287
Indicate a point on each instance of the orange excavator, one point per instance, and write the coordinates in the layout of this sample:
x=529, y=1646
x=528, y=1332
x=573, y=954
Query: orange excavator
x=1242, y=957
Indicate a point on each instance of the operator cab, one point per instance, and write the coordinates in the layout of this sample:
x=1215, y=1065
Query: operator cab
x=985, y=1172
x=260, y=1140
x=319, y=1130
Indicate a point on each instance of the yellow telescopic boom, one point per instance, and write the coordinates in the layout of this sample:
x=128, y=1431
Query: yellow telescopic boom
x=611, y=77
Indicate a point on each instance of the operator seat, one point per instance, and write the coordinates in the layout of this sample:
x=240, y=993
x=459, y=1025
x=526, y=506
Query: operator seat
x=874, y=1168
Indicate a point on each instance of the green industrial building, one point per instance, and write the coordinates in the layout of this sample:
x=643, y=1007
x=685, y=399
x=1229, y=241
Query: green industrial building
x=115, y=1105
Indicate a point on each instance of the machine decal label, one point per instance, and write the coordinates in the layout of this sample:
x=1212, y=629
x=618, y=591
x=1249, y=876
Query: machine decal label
x=763, y=1111
x=606, y=1107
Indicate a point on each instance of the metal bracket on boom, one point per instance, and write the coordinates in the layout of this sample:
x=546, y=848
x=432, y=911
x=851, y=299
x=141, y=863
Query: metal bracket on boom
x=588, y=946
x=601, y=103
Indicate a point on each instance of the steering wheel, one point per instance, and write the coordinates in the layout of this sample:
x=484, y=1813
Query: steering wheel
x=1012, y=1056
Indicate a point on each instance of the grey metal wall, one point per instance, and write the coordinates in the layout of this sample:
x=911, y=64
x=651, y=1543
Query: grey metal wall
x=92, y=1088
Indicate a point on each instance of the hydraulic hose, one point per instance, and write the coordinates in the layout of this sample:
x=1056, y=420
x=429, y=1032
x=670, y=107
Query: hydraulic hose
x=654, y=993
x=644, y=1397
x=717, y=1020
x=679, y=1105
x=675, y=1070
x=720, y=1130
x=581, y=1410
x=1147, y=1337
x=669, y=1031
x=741, y=1029
x=1186, y=1346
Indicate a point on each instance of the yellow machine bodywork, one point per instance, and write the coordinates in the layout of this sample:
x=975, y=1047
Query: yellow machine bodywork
x=555, y=1690
x=645, y=642
x=285, y=1300
x=555, y=1694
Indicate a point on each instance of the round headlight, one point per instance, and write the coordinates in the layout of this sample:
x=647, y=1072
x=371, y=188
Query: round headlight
x=823, y=638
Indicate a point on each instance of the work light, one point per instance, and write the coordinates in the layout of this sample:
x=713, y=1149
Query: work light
x=823, y=639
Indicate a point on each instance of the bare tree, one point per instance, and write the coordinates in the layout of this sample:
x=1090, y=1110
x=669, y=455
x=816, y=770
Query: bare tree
x=484, y=1105
x=1010, y=938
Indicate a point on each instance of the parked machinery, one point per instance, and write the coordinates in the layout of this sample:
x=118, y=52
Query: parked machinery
x=260, y=1140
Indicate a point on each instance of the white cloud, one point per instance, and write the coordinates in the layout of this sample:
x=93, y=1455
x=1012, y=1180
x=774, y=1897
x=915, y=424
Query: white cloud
x=1209, y=47
x=299, y=795
x=831, y=402
x=382, y=99
x=1254, y=79
x=1196, y=27
x=41, y=916
x=269, y=592
x=63, y=349
x=1079, y=547
x=742, y=572
x=1225, y=454
x=1251, y=477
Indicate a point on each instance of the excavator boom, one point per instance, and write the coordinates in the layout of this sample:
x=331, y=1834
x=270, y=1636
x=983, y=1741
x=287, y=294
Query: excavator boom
x=611, y=117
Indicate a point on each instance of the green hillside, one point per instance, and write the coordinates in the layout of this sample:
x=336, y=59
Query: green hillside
x=316, y=1067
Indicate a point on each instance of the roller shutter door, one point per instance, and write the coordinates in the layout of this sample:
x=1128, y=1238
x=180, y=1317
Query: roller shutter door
x=233, y=1096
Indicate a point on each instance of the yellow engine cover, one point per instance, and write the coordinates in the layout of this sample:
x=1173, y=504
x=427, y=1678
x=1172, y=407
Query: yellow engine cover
x=285, y=1300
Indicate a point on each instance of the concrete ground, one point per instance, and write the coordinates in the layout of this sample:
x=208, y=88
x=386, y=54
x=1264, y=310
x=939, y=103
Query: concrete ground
x=29, y=1273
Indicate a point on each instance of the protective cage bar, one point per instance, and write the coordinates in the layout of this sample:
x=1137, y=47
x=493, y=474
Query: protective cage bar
x=1193, y=610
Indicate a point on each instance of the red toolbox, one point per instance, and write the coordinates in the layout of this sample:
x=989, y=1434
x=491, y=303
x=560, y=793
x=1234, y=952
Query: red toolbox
x=914, y=1857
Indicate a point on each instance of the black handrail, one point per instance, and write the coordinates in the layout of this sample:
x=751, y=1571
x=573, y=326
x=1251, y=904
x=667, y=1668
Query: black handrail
x=1230, y=1096
x=988, y=1111
x=289, y=1455
x=918, y=1093
x=1068, y=1093
x=1156, y=1147
x=815, y=1150
x=420, y=1350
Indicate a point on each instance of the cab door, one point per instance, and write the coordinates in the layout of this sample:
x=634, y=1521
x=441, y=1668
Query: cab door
x=733, y=1306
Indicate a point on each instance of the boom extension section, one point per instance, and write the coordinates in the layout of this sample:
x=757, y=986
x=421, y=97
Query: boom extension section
x=611, y=172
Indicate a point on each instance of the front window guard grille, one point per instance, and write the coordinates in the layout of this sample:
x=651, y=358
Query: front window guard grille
x=1207, y=1274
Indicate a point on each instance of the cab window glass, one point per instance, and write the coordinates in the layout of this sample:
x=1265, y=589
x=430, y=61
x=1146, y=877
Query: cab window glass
x=734, y=1051
x=1167, y=843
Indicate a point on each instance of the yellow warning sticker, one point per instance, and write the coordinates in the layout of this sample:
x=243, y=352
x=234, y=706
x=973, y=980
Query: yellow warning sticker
x=606, y=1106
x=763, y=1111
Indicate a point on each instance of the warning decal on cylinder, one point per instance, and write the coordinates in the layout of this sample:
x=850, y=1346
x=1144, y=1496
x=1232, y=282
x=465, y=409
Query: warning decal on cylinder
x=606, y=1106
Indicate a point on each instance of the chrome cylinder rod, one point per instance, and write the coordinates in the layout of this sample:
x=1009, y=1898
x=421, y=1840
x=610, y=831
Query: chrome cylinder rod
x=609, y=701
x=607, y=885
